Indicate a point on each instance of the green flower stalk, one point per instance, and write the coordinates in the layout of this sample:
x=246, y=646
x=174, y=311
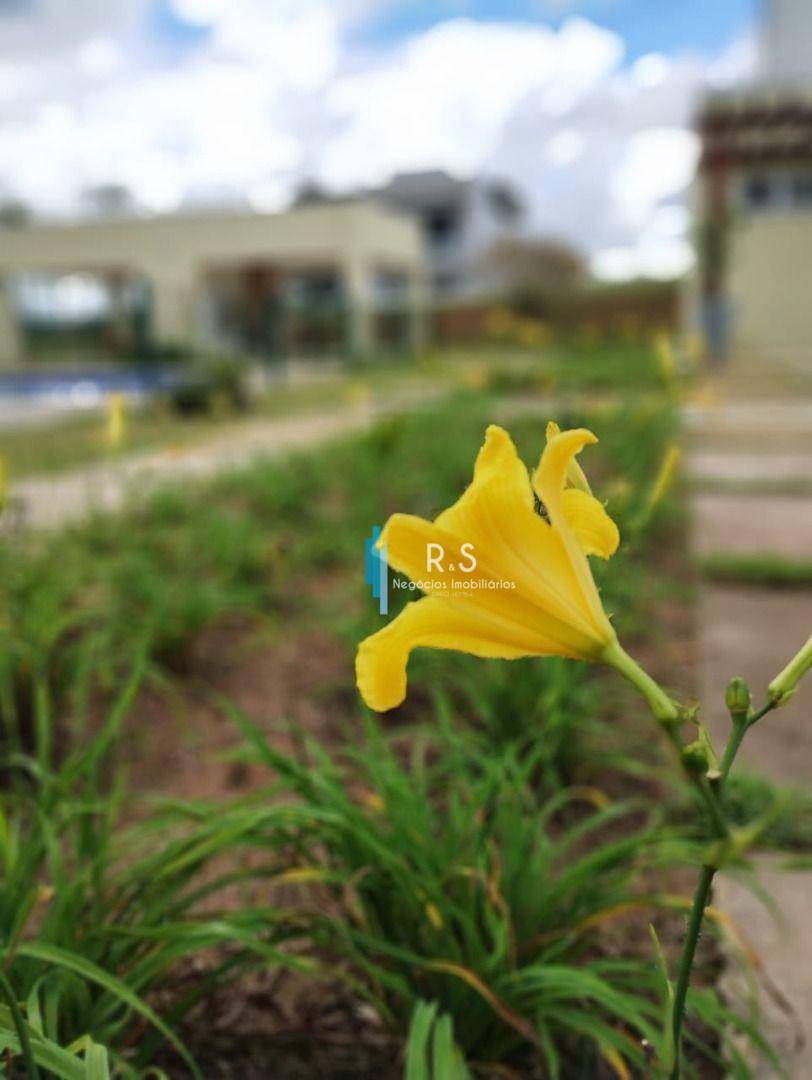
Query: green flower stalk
x=784, y=685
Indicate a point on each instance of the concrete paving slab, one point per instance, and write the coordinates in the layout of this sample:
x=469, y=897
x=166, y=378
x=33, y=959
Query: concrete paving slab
x=753, y=524
x=726, y=466
x=754, y=633
x=783, y=951
x=751, y=417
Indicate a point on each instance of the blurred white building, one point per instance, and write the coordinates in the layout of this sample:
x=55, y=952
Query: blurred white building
x=462, y=222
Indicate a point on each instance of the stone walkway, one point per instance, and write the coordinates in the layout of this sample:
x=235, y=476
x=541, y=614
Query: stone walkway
x=46, y=502
x=753, y=632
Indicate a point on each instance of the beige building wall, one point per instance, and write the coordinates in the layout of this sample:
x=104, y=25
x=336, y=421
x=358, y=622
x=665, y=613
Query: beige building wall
x=175, y=253
x=770, y=283
x=10, y=344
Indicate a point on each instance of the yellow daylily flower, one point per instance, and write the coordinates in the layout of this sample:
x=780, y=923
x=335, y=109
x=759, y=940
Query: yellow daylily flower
x=114, y=428
x=501, y=580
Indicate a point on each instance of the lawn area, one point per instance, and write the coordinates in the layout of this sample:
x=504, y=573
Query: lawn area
x=72, y=442
x=215, y=856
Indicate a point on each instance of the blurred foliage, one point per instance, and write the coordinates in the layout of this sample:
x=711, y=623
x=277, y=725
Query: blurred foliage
x=212, y=386
x=766, y=569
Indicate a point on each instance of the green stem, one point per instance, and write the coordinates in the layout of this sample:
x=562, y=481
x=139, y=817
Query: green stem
x=740, y=726
x=660, y=703
x=667, y=713
x=711, y=801
x=687, y=960
x=762, y=712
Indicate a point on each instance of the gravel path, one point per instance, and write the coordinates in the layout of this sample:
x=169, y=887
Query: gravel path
x=47, y=502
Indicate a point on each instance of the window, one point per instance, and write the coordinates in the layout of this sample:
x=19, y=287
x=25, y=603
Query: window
x=441, y=223
x=504, y=204
x=802, y=190
x=758, y=193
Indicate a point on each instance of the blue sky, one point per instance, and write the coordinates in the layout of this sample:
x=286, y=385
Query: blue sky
x=645, y=25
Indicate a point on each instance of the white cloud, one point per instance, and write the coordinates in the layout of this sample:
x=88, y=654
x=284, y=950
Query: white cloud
x=665, y=260
x=279, y=91
x=738, y=62
x=650, y=70
x=56, y=27
x=271, y=194
x=667, y=222
x=18, y=79
x=444, y=99
x=99, y=57
x=657, y=163
x=565, y=148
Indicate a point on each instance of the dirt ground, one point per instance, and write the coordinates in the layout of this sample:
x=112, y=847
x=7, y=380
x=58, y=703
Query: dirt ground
x=178, y=736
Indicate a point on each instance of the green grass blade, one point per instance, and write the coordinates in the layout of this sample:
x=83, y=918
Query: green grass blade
x=50, y=954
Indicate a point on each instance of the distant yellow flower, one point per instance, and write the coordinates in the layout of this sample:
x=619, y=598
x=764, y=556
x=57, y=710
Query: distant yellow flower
x=696, y=348
x=358, y=393
x=665, y=475
x=115, y=419
x=499, y=323
x=502, y=581
x=4, y=484
x=666, y=357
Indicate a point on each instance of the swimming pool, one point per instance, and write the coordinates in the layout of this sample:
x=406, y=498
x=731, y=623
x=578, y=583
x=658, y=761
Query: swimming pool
x=31, y=394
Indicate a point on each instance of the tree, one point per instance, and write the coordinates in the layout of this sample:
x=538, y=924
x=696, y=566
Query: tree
x=14, y=213
x=109, y=200
x=533, y=272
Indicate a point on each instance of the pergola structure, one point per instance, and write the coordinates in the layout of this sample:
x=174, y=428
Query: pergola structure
x=204, y=272
x=747, y=130
x=754, y=220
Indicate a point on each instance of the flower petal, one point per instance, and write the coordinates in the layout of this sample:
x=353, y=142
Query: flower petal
x=576, y=477
x=596, y=532
x=380, y=664
x=556, y=459
x=549, y=480
x=497, y=463
x=497, y=514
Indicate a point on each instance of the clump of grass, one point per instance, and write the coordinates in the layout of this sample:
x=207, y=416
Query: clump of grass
x=95, y=916
x=612, y=366
x=461, y=898
x=767, y=569
x=767, y=488
x=784, y=811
